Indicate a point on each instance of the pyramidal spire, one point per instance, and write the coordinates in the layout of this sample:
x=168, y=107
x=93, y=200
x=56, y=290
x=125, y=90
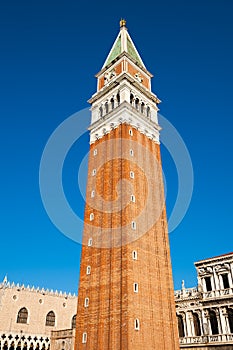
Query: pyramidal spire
x=123, y=43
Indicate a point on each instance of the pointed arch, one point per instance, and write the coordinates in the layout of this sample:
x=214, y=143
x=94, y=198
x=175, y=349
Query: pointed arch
x=73, y=322
x=22, y=316
x=50, y=319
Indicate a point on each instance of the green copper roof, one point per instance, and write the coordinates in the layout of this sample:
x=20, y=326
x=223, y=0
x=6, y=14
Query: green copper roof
x=132, y=52
x=116, y=50
x=123, y=43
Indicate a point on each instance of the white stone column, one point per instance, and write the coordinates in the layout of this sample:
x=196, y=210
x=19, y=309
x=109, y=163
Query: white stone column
x=204, y=284
x=188, y=323
x=216, y=279
x=125, y=95
x=220, y=330
x=206, y=322
x=221, y=282
x=224, y=320
x=212, y=282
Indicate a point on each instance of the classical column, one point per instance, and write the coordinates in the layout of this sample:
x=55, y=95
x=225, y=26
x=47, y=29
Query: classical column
x=216, y=279
x=206, y=322
x=224, y=320
x=217, y=312
x=189, y=321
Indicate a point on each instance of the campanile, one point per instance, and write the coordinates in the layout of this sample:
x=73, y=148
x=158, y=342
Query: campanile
x=125, y=298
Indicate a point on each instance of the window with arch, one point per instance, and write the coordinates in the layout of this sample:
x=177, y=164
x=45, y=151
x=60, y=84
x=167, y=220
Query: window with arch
x=118, y=98
x=101, y=111
x=91, y=216
x=86, y=302
x=137, y=104
x=180, y=326
x=135, y=287
x=93, y=172
x=89, y=242
x=197, y=325
x=136, y=324
x=132, y=198
x=73, y=322
x=131, y=99
x=130, y=132
x=142, y=107
x=148, y=112
x=112, y=103
x=131, y=152
x=131, y=174
x=88, y=271
x=84, y=338
x=22, y=316
x=133, y=225
x=50, y=319
x=135, y=255
x=92, y=194
x=106, y=107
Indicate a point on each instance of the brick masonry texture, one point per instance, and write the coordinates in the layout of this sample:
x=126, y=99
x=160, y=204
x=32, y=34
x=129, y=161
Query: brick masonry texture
x=109, y=320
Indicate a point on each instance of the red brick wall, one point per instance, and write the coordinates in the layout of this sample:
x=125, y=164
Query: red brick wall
x=113, y=305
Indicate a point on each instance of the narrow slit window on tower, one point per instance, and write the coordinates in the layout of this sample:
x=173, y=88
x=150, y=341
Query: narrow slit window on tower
x=91, y=216
x=132, y=198
x=92, y=194
x=130, y=132
x=95, y=152
x=135, y=287
x=131, y=152
x=84, y=338
x=88, y=271
x=93, y=172
x=131, y=174
x=136, y=324
x=135, y=255
x=86, y=302
x=133, y=225
x=89, y=242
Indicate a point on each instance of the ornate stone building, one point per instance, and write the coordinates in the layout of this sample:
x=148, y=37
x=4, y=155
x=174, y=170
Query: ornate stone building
x=205, y=313
x=28, y=315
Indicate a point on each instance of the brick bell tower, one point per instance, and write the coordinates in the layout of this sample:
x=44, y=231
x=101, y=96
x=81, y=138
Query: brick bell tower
x=125, y=298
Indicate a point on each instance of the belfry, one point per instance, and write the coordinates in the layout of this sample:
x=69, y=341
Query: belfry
x=126, y=297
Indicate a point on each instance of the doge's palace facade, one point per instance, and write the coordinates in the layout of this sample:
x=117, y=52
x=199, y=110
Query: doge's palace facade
x=29, y=314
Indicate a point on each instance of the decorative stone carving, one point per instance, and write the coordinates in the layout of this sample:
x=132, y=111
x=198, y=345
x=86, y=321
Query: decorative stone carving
x=109, y=75
x=138, y=77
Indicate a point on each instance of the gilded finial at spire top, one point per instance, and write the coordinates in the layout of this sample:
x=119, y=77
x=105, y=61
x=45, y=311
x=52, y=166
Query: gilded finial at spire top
x=122, y=23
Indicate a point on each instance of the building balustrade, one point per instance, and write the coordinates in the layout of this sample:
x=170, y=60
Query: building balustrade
x=205, y=339
x=218, y=293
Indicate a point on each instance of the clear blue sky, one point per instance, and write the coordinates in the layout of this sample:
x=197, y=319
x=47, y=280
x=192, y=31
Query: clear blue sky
x=50, y=52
